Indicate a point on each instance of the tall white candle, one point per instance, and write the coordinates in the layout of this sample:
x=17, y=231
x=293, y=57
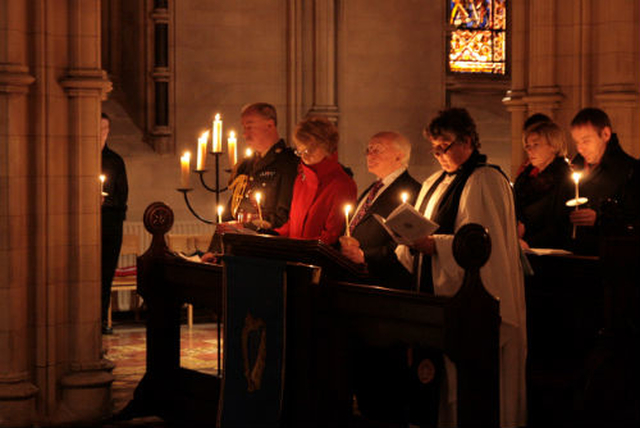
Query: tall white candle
x=202, y=151
x=102, y=180
x=216, y=137
x=232, y=146
x=185, y=164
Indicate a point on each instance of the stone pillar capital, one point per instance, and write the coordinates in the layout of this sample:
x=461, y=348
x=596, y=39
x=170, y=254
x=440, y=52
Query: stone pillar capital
x=86, y=82
x=15, y=78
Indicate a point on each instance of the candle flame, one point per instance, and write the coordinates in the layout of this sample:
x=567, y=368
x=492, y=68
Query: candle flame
x=258, y=197
x=248, y=153
x=217, y=116
x=576, y=177
x=220, y=209
x=102, y=177
x=205, y=135
x=347, y=209
x=232, y=134
x=186, y=156
x=405, y=197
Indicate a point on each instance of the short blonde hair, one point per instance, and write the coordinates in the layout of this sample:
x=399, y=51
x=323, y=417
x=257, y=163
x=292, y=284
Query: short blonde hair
x=552, y=134
x=316, y=132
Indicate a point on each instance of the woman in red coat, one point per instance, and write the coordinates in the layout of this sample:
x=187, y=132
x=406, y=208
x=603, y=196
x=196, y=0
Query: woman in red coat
x=322, y=187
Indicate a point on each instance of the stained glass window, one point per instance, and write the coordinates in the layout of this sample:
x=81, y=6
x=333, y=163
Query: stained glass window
x=477, y=42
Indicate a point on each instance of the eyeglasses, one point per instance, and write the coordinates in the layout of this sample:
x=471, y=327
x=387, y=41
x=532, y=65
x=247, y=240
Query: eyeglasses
x=374, y=150
x=439, y=151
x=305, y=152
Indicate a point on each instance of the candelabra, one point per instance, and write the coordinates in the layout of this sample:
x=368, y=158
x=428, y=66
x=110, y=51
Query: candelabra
x=217, y=190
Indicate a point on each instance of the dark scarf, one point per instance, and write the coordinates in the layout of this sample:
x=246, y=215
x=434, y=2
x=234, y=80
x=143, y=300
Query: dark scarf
x=447, y=209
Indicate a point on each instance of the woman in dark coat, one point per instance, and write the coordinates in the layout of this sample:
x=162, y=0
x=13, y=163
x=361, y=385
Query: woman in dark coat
x=542, y=189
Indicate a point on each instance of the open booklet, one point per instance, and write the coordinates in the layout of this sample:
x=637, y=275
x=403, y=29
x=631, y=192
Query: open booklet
x=406, y=225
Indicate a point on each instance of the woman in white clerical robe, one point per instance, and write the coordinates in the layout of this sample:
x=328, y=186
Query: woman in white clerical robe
x=470, y=191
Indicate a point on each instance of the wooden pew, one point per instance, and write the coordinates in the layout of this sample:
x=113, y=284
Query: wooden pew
x=323, y=316
x=582, y=318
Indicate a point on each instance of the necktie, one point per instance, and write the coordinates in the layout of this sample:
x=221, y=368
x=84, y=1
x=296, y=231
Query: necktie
x=365, y=206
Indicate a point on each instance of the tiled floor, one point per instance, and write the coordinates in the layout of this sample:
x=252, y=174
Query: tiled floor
x=127, y=347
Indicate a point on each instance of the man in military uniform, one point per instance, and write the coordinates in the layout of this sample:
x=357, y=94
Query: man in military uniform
x=271, y=170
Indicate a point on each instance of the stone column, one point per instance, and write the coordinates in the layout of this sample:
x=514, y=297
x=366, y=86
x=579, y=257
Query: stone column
x=514, y=99
x=17, y=391
x=616, y=61
x=85, y=381
x=543, y=94
x=325, y=101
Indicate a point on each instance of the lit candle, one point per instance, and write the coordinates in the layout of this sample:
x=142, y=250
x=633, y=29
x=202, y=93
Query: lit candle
x=233, y=149
x=347, y=210
x=202, y=151
x=405, y=197
x=185, y=162
x=576, y=178
x=258, y=198
x=248, y=153
x=220, y=209
x=217, y=135
x=102, y=179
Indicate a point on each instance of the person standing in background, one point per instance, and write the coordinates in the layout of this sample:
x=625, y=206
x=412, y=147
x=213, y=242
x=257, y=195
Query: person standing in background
x=114, y=209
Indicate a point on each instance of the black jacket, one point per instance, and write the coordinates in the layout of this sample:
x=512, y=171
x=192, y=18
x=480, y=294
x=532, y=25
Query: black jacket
x=375, y=242
x=273, y=175
x=613, y=189
x=541, y=204
x=114, y=207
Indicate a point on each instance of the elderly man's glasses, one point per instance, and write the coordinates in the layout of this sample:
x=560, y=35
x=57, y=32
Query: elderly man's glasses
x=374, y=150
x=439, y=150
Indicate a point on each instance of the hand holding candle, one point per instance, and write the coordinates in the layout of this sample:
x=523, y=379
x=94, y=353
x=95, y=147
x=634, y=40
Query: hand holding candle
x=185, y=162
x=347, y=211
x=216, y=137
x=576, y=203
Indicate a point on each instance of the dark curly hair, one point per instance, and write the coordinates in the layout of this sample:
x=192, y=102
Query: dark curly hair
x=453, y=121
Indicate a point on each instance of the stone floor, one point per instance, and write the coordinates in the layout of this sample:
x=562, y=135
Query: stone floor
x=127, y=347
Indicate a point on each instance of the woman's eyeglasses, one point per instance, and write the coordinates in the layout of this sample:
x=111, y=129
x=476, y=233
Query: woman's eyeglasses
x=305, y=152
x=439, y=150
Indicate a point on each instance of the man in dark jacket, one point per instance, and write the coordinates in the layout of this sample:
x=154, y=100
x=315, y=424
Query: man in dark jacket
x=383, y=381
x=114, y=208
x=610, y=181
x=271, y=170
x=388, y=155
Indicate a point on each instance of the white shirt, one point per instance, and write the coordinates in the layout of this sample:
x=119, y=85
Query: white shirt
x=386, y=182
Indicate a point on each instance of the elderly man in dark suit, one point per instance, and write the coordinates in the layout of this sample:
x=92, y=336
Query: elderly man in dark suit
x=388, y=156
x=384, y=380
